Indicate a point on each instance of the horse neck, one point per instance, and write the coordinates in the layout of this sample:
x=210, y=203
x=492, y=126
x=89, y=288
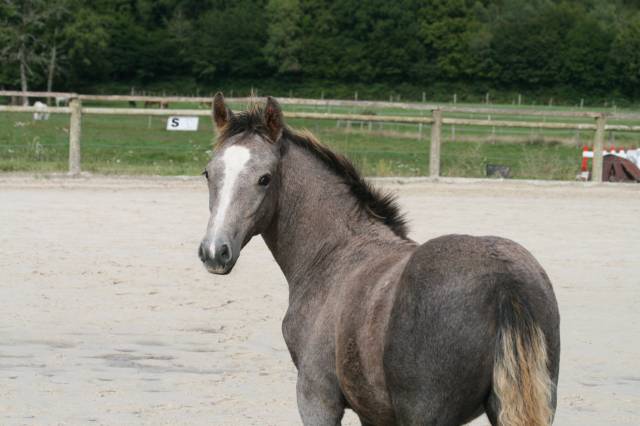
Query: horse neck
x=318, y=225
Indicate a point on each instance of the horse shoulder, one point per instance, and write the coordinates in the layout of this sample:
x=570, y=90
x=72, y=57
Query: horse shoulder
x=365, y=304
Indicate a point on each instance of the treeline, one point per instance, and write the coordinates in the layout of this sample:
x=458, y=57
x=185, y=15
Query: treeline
x=569, y=47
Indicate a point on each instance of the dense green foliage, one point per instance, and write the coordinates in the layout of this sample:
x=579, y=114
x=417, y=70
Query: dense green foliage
x=566, y=48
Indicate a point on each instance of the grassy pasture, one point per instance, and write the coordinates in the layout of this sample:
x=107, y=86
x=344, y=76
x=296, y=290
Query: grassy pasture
x=141, y=145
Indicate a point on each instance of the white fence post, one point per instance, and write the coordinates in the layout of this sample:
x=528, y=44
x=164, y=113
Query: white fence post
x=598, y=147
x=436, y=138
x=75, y=133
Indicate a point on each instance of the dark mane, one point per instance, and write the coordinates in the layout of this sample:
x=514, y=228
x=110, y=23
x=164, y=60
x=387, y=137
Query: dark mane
x=251, y=120
x=379, y=205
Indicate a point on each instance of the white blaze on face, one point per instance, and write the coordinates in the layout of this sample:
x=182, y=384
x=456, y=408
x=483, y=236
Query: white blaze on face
x=234, y=160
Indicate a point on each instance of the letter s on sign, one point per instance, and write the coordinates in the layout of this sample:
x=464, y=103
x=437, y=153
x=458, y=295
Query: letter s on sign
x=175, y=122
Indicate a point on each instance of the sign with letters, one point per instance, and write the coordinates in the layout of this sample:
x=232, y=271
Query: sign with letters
x=185, y=124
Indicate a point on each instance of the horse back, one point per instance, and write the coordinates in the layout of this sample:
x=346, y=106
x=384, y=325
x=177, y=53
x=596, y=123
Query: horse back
x=451, y=269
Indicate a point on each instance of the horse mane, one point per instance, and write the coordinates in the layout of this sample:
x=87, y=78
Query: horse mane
x=379, y=205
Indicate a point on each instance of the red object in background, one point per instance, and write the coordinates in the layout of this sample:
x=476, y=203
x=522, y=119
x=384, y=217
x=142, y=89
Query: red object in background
x=585, y=160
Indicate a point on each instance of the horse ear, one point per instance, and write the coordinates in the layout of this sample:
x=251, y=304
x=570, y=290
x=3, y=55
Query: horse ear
x=273, y=119
x=221, y=114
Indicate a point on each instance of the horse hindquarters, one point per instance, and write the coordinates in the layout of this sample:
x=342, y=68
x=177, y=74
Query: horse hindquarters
x=439, y=343
x=474, y=327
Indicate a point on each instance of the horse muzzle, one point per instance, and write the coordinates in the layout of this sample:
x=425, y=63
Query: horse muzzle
x=218, y=257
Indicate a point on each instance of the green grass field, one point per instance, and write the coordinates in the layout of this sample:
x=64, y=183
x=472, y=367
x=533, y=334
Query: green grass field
x=141, y=145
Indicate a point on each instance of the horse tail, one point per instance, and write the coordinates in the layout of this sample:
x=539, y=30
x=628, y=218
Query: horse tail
x=521, y=379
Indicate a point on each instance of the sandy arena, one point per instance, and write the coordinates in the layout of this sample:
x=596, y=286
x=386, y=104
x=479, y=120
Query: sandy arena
x=107, y=316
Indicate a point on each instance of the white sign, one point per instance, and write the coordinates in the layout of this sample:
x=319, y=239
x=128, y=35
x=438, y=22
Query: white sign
x=188, y=124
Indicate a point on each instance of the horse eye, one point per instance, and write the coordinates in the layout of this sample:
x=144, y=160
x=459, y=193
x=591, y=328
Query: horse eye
x=205, y=174
x=264, y=180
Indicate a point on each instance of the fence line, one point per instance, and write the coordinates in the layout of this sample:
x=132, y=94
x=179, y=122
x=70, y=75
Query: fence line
x=445, y=108
x=18, y=93
x=52, y=110
x=330, y=116
x=436, y=119
x=145, y=112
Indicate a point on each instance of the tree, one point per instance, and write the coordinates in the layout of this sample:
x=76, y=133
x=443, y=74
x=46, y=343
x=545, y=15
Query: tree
x=229, y=40
x=284, y=36
x=585, y=52
x=625, y=55
x=446, y=29
x=385, y=33
x=83, y=42
x=525, y=45
x=20, y=35
x=42, y=37
x=53, y=36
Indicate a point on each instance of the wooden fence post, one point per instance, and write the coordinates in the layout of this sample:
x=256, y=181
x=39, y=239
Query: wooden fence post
x=75, y=133
x=436, y=138
x=598, y=146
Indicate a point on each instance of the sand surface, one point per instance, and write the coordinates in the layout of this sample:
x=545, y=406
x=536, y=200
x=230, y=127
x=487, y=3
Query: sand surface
x=107, y=316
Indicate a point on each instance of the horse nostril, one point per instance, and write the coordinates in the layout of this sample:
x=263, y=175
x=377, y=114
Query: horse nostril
x=224, y=254
x=202, y=253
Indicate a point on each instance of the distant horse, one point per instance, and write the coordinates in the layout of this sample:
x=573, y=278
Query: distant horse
x=159, y=104
x=62, y=101
x=403, y=334
x=41, y=114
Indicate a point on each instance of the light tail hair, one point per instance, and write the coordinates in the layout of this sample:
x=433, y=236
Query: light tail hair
x=521, y=379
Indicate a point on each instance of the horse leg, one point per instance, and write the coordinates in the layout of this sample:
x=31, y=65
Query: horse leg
x=492, y=409
x=320, y=401
x=365, y=423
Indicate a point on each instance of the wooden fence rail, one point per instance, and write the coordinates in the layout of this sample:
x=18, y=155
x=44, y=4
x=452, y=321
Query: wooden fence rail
x=418, y=106
x=435, y=118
